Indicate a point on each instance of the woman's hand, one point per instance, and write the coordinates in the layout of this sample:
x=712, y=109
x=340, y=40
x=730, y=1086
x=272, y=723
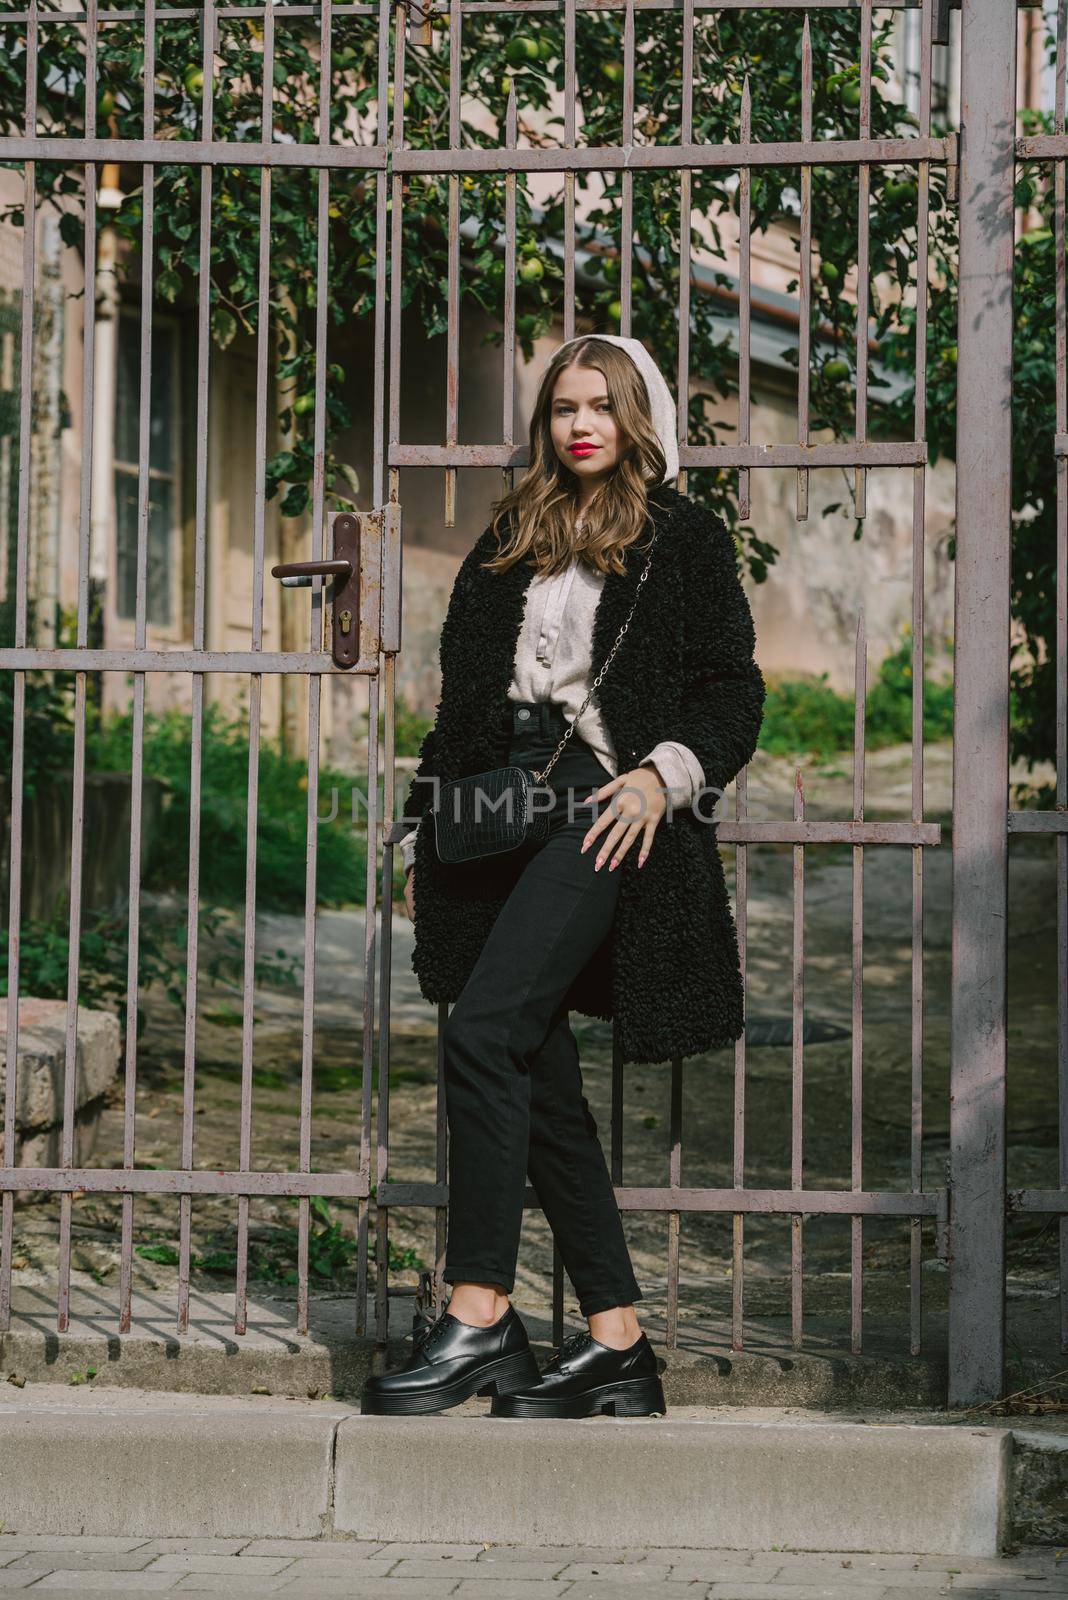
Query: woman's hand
x=638, y=810
x=409, y=893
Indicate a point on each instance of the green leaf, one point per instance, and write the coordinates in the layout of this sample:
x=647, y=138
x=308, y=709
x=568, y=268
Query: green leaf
x=296, y=499
x=223, y=326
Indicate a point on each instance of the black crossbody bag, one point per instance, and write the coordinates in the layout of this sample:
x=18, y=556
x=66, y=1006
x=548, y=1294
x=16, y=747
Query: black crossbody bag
x=488, y=813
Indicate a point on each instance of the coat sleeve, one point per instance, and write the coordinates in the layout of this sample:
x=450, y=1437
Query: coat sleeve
x=723, y=694
x=421, y=789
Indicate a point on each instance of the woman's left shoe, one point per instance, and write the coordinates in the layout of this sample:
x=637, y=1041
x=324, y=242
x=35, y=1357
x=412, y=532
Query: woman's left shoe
x=584, y=1377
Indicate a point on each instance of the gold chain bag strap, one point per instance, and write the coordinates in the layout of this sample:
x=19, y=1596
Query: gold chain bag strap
x=491, y=812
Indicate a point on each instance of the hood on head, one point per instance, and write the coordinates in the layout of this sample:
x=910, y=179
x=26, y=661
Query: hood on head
x=661, y=405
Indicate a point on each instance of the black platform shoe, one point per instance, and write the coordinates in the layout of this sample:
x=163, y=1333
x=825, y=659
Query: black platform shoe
x=451, y=1361
x=584, y=1377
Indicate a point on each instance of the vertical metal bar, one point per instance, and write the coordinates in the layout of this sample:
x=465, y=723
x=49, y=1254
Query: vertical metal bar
x=570, y=102
x=626, y=244
x=18, y=716
x=741, y=796
x=856, y=1266
x=804, y=272
x=797, y=1066
x=315, y=682
x=685, y=245
x=616, y=1152
x=511, y=140
x=70, y=1059
x=396, y=270
x=256, y=682
x=452, y=314
x=626, y=220
x=185, y=1214
x=389, y=756
x=671, y=1330
x=863, y=222
x=981, y=702
x=1061, y=651
x=919, y=515
x=682, y=419
x=745, y=294
x=370, y=911
x=137, y=738
x=314, y=690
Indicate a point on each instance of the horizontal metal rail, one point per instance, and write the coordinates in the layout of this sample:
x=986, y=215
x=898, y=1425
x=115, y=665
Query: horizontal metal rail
x=29, y=658
x=839, y=453
x=145, y=1180
x=662, y=1197
x=192, y=152
x=679, y=157
x=1038, y=821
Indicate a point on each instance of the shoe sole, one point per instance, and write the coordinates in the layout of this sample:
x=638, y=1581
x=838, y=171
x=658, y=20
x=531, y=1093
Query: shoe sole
x=630, y=1397
x=497, y=1378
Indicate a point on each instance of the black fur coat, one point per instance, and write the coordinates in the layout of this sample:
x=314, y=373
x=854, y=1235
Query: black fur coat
x=668, y=970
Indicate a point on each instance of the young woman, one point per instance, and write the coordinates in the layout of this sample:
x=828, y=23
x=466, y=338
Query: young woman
x=621, y=911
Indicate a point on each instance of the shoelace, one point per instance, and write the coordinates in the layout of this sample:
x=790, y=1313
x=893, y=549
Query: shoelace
x=570, y=1346
x=430, y=1330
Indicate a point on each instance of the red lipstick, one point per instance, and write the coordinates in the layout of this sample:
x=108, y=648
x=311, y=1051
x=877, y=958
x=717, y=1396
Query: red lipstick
x=583, y=449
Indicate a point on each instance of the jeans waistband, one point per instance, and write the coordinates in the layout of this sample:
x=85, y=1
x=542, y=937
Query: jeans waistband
x=542, y=719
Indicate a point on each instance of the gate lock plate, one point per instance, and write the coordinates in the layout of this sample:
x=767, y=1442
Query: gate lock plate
x=344, y=568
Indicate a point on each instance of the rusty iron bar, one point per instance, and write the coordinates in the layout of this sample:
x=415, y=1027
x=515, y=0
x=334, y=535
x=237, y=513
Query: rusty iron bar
x=1060, y=235
x=665, y=157
x=190, y=152
x=138, y=1180
x=804, y=279
x=144, y=426
x=664, y=1197
x=188, y=1135
x=919, y=492
x=840, y=453
x=33, y=658
x=389, y=629
x=856, y=1033
x=18, y=707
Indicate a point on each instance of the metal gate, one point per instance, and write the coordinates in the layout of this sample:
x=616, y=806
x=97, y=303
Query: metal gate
x=365, y=564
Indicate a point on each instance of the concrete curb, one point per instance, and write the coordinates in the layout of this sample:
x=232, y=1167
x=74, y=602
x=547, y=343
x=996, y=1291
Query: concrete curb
x=117, y=1463
x=707, y=1485
x=164, y=1472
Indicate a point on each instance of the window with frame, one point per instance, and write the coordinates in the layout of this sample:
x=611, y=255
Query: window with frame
x=162, y=467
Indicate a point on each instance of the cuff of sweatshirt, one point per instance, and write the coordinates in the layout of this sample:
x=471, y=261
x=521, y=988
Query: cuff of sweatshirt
x=407, y=845
x=682, y=773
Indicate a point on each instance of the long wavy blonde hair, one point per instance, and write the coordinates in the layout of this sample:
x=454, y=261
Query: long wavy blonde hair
x=540, y=511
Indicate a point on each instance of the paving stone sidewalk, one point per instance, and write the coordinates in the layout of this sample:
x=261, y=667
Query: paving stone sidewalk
x=372, y=1570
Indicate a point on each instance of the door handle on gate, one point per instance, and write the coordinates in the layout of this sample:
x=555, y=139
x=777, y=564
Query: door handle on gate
x=299, y=574
x=344, y=568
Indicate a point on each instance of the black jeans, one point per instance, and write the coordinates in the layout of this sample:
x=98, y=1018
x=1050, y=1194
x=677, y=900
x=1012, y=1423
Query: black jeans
x=513, y=1086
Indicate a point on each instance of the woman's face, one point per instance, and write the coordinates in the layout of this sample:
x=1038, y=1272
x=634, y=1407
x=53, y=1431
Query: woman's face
x=583, y=426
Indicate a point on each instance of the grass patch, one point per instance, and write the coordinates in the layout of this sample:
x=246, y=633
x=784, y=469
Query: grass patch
x=804, y=715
